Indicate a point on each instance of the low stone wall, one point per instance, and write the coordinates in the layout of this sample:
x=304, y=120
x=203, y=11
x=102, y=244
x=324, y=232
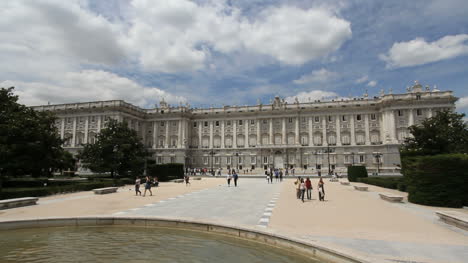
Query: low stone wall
x=291, y=244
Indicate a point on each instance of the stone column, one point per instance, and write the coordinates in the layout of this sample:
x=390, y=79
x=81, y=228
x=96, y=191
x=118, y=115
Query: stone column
x=211, y=135
x=338, y=130
x=392, y=126
x=429, y=112
x=246, y=133
x=410, y=117
x=183, y=141
x=283, y=131
x=200, y=134
x=324, y=131
x=222, y=134
x=62, y=129
x=259, y=135
x=86, y=128
x=296, y=138
x=168, y=140
x=367, y=128
x=155, y=134
x=179, y=134
x=74, y=132
x=311, y=134
x=353, y=135
x=271, y=131
x=383, y=127
x=234, y=134
x=99, y=123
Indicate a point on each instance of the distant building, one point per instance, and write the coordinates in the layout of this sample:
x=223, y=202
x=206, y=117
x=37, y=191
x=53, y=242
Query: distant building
x=312, y=136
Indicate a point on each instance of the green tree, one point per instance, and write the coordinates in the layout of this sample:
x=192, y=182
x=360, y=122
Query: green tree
x=29, y=141
x=117, y=150
x=446, y=132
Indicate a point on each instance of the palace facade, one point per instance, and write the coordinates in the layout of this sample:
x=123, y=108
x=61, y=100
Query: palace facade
x=312, y=136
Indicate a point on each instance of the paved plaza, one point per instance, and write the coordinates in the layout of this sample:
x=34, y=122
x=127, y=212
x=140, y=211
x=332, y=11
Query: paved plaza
x=349, y=220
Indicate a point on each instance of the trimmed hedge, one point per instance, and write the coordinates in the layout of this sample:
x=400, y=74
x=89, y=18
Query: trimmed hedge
x=355, y=172
x=8, y=193
x=386, y=182
x=166, y=172
x=438, y=180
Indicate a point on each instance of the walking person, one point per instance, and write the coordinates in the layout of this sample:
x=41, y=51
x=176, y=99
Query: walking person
x=281, y=175
x=148, y=186
x=271, y=176
x=156, y=181
x=228, y=177
x=302, y=187
x=308, y=185
x=321, y=190
x=276, y=175
x=297, y=186
x=235, y=177
x=187, y=180
x=137, y=186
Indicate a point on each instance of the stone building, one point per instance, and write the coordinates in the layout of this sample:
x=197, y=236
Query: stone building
x=311, y=136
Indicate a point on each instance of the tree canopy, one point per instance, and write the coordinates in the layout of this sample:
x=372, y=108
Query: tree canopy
x=117, y=150
x=29, y=141
x=446, y=132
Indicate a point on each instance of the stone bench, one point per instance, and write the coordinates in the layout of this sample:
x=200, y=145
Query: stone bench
x=105, y=190
x=344, y=183
x=196, y=178
x=361, y=188
x=17, y=202
x=454, y=218
x=334, y=180
x=391, y=197
x=177, y=180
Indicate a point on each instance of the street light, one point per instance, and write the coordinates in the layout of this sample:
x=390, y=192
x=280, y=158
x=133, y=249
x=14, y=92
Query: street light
x=237, y=162
x=377, y=156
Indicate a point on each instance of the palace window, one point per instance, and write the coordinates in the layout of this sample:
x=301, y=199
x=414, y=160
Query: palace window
x=161, y=124
x=419, y=112
x=195, y=125
x=172, y=159
x=344, y=118
x=358, y=117
x=228, y=123
x=217, y=123
x=229, y=160
x=317, y=119
x=159, y=160
x=216, y=159
x=253, y=159
x=93, y=119
x=240, y=159
x=362, y=158
x=240, y=122
x=400, y=113
x=252, y=122
x=290, y=120
x=330, y=118
x=205, y=124
x=265, y=159
x=373, y=116
x=205, y=160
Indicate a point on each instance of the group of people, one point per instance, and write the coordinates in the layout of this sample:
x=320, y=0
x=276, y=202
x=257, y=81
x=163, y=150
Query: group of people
x=149, y=182
x=232, y=175
x=277, y=173
x=304, y=187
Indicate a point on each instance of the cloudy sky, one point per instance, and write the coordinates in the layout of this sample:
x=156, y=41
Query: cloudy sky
x=215, y=52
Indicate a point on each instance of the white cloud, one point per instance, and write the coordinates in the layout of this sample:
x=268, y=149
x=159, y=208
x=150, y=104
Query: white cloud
x=311, y=96
x=320, y=75
x=462, y=103
x=89, y=85
x=177, y=35
x=362, y=79
x=372, y=83
x=295, y=36
x=419, y=52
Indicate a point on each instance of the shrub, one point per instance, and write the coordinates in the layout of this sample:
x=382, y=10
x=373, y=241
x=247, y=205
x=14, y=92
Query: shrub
x=166, y=172
x=355, y=172
x=386, y=182
x=438, y=180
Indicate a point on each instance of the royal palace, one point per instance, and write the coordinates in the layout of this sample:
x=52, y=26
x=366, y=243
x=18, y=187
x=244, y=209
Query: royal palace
x=312, y=136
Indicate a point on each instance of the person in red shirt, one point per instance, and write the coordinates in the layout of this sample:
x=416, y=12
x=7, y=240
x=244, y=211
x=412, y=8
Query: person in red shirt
x=308, y=185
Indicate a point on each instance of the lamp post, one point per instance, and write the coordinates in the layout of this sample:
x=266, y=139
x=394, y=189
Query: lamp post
x=377, y=156
x=237, y=162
